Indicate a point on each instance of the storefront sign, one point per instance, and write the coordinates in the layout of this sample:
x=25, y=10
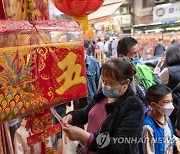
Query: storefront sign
x=124, y=20
x=166, y=12
x=114, y=23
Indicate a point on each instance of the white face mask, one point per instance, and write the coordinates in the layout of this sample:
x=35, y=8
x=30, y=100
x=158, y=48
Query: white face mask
x=166, y=110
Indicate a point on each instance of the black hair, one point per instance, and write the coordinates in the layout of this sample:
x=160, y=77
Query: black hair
x=86, y=44
x=173, y=41
x=173, y=55
x=99, y=39
x=156, y=92
x=160, y=39
x=118, y=69
x=106, y=38
x=125, y=44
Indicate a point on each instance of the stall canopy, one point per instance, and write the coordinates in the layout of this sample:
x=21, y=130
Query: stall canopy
x=104, y=11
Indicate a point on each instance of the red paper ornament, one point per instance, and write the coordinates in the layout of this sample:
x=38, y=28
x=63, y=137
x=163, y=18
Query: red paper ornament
x=78, y=9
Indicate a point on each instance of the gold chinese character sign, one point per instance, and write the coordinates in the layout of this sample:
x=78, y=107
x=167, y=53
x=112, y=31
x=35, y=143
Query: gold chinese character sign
x=40, y=76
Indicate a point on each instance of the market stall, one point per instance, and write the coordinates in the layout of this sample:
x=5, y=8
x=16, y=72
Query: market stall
x=42, y=65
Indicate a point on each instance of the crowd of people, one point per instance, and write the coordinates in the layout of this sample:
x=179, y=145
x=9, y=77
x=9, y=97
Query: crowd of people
x=107, y=46
x=125, y=116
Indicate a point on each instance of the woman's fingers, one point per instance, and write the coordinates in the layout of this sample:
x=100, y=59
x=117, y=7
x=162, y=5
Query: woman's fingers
x=65, y=129
x=67, y=119
x=161, y=62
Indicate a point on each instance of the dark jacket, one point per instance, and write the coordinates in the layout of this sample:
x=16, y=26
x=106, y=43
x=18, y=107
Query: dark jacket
x=159, y=49
x=174, y=80
x=178, y=118
x=125, y=119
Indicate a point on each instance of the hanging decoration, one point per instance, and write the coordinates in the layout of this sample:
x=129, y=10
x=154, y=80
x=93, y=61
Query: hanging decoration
x=41, y=125
x=36, y=70
x=29, y=10
x=36, y=77
x=78, y=9
x=25, y=9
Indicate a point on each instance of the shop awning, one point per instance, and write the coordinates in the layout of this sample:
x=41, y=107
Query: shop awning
x=105, y=10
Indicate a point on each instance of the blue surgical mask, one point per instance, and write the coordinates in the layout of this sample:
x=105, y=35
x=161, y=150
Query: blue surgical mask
x=135, y=61
x=110, y=92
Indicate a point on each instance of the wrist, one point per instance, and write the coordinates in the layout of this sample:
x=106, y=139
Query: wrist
x=90, y=140
x=157, y=70
x=70, y=118
x=84, y=137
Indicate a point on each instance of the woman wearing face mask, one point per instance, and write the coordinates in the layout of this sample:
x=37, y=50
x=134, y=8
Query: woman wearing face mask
x=115, y=118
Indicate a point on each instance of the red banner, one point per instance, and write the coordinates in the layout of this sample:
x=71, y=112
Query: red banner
x=40, y=122
x=42, y=137
x=36, y=77
x=2, y=15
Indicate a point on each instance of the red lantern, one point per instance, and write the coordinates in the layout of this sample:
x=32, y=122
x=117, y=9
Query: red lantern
x=78, y=9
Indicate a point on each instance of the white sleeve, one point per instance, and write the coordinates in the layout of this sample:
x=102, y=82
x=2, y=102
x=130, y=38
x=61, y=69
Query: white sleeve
x=176, y=138
x=18, y=147
x=148, y=140
x=164, y=76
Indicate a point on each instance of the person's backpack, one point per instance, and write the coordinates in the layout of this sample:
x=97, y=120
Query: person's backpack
x=146, y=76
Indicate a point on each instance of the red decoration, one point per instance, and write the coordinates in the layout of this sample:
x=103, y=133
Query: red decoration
x=36, y=77
x=78, y=8
x=31, y=140
x=42, y=76
x=40, y=122
x=2, y=15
